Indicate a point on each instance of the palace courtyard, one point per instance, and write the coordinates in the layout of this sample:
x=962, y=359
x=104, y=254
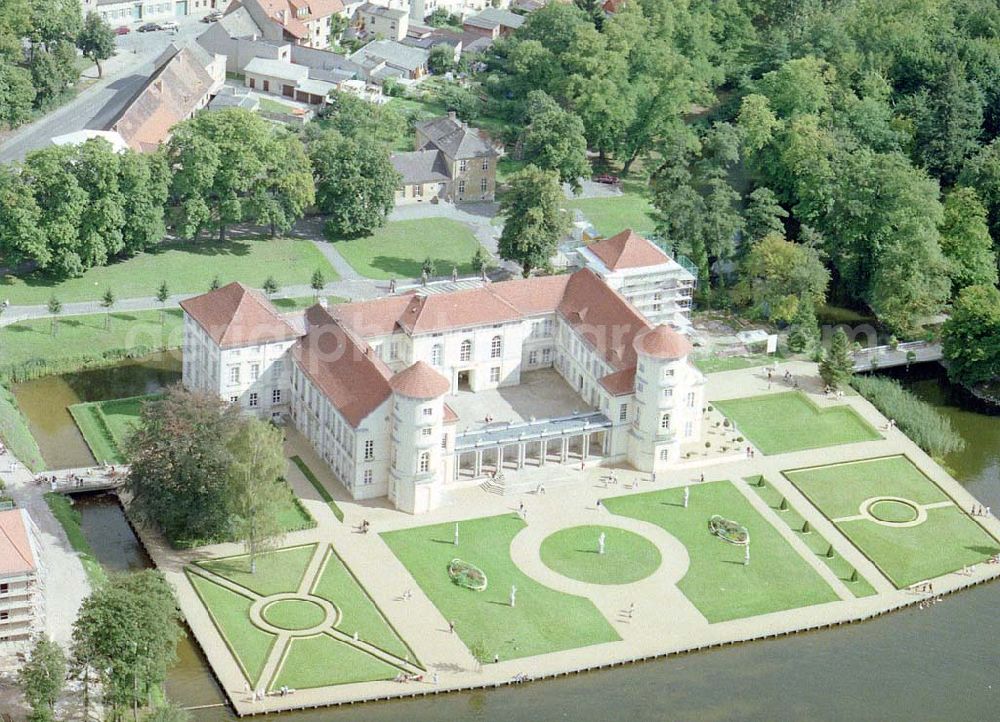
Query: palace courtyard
x=826, y=521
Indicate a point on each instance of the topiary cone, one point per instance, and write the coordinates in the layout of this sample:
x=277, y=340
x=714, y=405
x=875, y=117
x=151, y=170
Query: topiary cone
x=829, y=552
x=805, y=527
x=784, y=504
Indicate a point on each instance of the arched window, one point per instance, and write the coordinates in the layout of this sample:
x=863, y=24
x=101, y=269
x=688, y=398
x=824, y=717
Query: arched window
x=425, y=462
x=436, y=355
x=665, y=421
x=496, y=347
x=465, y=354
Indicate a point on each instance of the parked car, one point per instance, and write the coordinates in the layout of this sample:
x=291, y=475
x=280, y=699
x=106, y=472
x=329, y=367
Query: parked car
x=122, y=30
x=607, y=179
x=212, y=16
x=148, y=28
x=170, y=25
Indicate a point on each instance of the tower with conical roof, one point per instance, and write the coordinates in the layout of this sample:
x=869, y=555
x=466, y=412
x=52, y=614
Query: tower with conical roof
x=417, y=467
x=668, y=396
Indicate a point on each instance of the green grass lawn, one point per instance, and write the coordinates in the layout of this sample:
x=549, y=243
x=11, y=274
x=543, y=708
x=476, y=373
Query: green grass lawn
x=230, y=612
x=106, y=425
x=779, y=423
x=398, y=249
x=717, y=582
x=358, y=612
x=77, y=337
x=273, y=106
x=69, y=518
x=946, y=541
x=321, y=661
x=186, y=267
x=297, y=303
x=544, y=620
x=314, y=661
x=318, y=486
x=816, y=542
x=574, y=553
x=715, y=364
x=277, y=571
x=616, y=213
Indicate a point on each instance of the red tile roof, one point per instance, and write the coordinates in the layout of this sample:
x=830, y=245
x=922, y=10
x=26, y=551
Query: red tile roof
x=628, y=250
x=620, y=383
x=235, y=315
x=442, y=311
x=343, y=366
x=603, y=317
x=531, y=296
x=420, y=381
x=662, y=342
x=16, y=556
x=450, y=417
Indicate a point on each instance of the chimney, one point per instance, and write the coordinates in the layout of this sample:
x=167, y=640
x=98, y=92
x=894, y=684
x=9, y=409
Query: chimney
x=323, y=302
x=452, y=115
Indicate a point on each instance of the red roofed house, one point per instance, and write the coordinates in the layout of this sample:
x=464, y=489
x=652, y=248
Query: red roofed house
x=659, y=286
x=368, y=382
x=302, y=22
x=21, y=598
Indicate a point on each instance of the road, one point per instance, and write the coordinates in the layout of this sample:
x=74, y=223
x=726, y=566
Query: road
x=98, y=105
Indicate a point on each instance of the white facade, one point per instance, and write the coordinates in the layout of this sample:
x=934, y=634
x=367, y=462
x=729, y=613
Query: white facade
x=403, y=444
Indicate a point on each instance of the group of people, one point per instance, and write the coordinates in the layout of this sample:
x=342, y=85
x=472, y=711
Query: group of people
x=833, y=393
x=787, y=377
x=980, y=510
x=751, y=454
x=364, y=526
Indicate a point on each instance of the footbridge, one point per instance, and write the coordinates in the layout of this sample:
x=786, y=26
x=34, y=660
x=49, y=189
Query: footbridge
x=904, y=354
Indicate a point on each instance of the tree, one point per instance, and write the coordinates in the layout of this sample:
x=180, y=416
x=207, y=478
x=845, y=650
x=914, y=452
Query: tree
x=20, y=236
x=317, y=282
x=971, y=336
x=257, y=463
x=554, y=139
x=96, y=40
x=763, y=215
x=480, y=260
x=441, y=59
x=162, y=296
x=982, y=172
x=837, y=365
x=218, y=160
x=804, y=336
x=107, y=303
x=144, y=185
x=966, y=242
x=778, y=276
x=355, y=117
x=287, y=188
x=215, y=283
x=55, y=308
x=355, y=183
x=17, y=94
x=42, y=678
x=533, y=218
x=270, y=286
x=179, y=464
x=126, y=632
x=50, y=175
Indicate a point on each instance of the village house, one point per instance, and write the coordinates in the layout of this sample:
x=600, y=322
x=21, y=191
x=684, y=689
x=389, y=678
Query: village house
x=493, y=23
x=451, y=162
x=302, y=22
x=381, y=21
x=381, y=59
x=22, y=599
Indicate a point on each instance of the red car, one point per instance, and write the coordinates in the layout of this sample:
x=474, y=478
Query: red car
x=607, y=179
x=122, y=30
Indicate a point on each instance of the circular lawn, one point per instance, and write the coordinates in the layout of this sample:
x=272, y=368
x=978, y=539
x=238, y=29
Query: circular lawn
x=574, y=553
x=294, y=614
x=893, y=511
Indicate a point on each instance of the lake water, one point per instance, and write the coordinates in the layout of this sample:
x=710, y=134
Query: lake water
x=942, y=663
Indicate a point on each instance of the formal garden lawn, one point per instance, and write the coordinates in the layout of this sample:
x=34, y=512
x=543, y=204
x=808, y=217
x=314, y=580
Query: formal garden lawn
x=616, y=213
x=398, y=249
x=716, y=364
x=947, y=540
x=186, y=267
x=106, y=425
x=717, y=582
x=316, y=660
x=78, y=338
x=817, y=543
x=575, y=553
x=779, y=423
x=543, y=620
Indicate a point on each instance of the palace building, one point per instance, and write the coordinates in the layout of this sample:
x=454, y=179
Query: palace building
x=395, y=393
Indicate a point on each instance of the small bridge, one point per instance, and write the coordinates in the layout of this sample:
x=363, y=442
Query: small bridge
x=74, y=481
x=883, y=357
